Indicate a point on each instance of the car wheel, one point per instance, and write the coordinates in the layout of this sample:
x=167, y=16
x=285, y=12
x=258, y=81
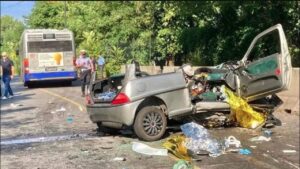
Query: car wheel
x=68, y=83
x=150, y=123
x=30, y=85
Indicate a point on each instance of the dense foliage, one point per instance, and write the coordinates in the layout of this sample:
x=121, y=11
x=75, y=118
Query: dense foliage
x=202, y=33
x=11, y=31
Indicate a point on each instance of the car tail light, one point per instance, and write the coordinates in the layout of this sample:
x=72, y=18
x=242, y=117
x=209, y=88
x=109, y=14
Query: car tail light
x=89, y=100
x=121, y=98
x=277, y=72
x=26, y=65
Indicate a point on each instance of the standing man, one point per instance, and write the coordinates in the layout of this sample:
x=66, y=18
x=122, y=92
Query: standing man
x=7, y=70
x=101, y=63
x=85, y=65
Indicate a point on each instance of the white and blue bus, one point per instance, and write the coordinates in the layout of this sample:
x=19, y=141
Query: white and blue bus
x=47, y=55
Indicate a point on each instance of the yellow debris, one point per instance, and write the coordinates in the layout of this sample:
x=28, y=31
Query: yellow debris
x=242, y=112
x=176, y=145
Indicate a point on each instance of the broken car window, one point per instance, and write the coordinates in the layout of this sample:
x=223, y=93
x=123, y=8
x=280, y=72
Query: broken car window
x=265, y=46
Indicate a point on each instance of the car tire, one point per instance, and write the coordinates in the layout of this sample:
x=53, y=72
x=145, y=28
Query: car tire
x=68, y=83
x=29, y=85
x=150, y=123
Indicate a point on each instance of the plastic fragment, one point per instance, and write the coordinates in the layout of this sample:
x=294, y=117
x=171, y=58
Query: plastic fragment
x=245, y=151
x=199, y=139
x=289, y=151
x=61, y=109
x=119, y=159
x=260, y=138
x=145, y=149
x=70, y=119
x=268, y=133
x=231, y=140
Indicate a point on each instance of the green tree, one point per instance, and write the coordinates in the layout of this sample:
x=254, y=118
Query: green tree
x=203, y=33
x=11, y=31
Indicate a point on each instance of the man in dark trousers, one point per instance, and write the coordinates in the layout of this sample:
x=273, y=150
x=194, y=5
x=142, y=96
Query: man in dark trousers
x=7, y=70
x=85, y=65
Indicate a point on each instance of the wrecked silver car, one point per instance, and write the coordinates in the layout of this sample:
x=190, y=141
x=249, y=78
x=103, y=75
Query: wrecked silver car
x=145, y=102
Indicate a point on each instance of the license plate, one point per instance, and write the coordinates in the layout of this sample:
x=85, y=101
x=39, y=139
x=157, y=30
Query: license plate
x=49, y=69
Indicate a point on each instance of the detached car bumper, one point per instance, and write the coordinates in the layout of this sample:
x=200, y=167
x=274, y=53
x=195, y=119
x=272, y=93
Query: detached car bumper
x=121, y=114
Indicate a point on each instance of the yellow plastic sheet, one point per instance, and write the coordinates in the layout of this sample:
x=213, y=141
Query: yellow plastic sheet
x=176, y=145
x=242, y=112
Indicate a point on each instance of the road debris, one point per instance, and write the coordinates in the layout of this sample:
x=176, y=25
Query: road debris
x=289, y=151
x=233, y=150
x=176, y=145
x=106, y=147
x=71, y=157
x=182, y=164
x=231, y=140
x=218, y=120
x=289, y=111
x=268, y=133
x=62, y=109
x=119, y=159
x=199, y=139
x=260, y=138
x=290, y=145
x=242, y=112
x=69, y=119
x=145, y=149
x=12, y=105
x=244, y=151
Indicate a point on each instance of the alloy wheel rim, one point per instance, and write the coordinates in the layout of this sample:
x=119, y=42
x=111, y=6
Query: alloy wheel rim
x=153, y=123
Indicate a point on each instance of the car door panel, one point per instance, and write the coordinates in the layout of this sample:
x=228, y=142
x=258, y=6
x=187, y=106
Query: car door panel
x=269, y=74
x=261, y=76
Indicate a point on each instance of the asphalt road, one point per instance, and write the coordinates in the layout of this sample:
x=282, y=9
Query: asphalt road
x=55, y=115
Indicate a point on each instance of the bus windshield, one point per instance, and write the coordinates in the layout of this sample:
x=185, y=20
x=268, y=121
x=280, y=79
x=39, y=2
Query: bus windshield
x=49, y=46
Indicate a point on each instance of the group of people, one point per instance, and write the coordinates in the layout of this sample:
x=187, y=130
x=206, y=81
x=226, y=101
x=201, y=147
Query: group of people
x=87, y=66
x=7, y=74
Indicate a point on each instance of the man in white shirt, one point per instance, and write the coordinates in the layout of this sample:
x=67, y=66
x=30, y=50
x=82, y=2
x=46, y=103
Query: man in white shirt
x=85, y=65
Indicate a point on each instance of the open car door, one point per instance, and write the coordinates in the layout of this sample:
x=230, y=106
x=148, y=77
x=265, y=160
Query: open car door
x=267, y=65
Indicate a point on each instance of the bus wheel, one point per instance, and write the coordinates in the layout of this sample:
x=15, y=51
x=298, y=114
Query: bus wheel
x=68, y=83
x=29, y=85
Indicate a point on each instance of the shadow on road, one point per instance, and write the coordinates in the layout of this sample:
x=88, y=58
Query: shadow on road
x=16, y=123
x=15, y=99
x=4, y=112
x=54, y=84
